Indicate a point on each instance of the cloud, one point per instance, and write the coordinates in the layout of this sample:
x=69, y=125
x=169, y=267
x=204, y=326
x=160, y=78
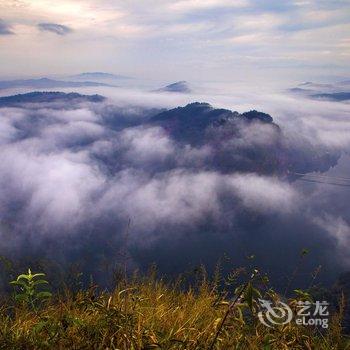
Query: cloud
x=145, y=145
x=5, y=29
x=55, y=198
x=182, y=197
x=58, y=29
x=196, y=5
x=73, y=173
x=252, y=189
x=338, y=228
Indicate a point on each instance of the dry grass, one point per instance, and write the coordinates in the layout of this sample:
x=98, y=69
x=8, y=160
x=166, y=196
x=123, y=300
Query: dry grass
x=147, y=313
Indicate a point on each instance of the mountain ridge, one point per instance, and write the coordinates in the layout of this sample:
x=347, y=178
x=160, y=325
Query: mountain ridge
x=46, y=83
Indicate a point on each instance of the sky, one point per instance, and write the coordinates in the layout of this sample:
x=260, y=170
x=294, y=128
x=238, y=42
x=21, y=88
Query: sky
x=212, y=40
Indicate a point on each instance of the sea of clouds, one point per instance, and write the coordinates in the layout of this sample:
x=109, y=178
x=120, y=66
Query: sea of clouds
x=91, y=182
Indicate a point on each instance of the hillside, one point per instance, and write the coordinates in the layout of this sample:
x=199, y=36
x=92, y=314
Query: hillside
x=147, y=313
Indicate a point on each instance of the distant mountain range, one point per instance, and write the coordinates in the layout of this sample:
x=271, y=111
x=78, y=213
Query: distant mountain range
x=99, y=76
x=47, y=97
x=180, y=86
x=335, y=96
x=311, y=85
x=45, y=83
x=331, y=92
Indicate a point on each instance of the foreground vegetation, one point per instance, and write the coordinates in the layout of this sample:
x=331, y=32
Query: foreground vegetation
x=148, y=313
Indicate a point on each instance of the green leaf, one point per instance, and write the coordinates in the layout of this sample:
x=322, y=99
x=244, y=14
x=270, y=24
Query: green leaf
x=22, y=297
x=44, y=295
x=35, y=283
x=19, y=283
x=23, y=276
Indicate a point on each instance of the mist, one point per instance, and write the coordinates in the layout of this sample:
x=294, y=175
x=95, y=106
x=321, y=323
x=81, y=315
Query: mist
x=84, y=181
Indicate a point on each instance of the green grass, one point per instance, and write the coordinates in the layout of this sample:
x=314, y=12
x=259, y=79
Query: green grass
x=147, y=313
